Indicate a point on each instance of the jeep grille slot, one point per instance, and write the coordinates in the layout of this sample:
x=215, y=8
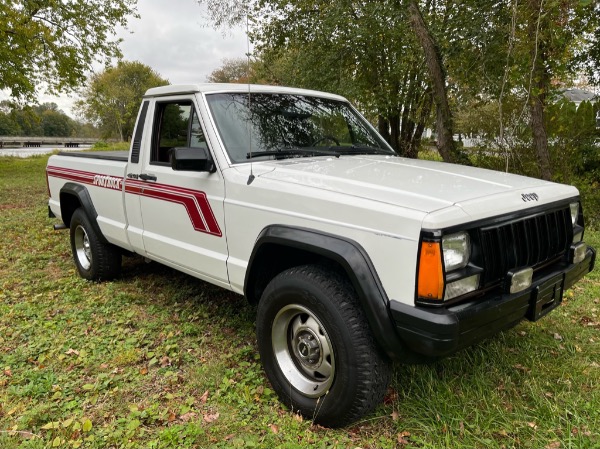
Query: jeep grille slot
x=526, y=242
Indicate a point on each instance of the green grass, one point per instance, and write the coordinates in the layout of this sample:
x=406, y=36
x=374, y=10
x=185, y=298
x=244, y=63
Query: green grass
x=158, y=359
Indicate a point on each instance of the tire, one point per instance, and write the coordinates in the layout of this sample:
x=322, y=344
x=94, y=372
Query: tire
x=317, y=349
x=94, y=259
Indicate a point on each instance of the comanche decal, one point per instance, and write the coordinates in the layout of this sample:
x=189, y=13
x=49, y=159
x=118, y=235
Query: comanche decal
x=195, y=202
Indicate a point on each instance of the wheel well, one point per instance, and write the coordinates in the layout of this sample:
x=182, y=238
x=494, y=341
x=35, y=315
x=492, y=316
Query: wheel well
x=69, y=203
x=273, y=259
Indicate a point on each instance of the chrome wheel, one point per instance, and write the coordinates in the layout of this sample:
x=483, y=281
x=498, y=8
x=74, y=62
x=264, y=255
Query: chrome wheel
x=83, y=250
x=303, y=350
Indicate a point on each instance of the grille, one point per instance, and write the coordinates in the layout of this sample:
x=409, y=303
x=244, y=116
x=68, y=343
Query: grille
x=527, y=242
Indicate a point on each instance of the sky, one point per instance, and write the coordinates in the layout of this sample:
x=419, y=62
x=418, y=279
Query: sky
x=176, y=40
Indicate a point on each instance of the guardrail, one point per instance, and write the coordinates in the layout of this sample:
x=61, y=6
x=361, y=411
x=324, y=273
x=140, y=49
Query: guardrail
x=36, y=142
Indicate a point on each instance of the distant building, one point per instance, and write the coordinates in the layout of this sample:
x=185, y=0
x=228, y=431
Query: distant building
x=578, y=96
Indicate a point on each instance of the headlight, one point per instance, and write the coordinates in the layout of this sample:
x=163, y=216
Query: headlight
x=574, y=212
x=457, y=250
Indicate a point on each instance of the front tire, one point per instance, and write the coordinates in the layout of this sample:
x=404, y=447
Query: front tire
x=317, y=349
x=94, y=259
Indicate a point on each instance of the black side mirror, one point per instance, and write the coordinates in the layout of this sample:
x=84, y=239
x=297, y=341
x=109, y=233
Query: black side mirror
x=192, y=159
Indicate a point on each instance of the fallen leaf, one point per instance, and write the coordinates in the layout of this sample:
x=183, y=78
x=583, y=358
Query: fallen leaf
x=172, y=417
x=391, y=396
x=72, y=351
x=274, y=428
x=532, y=425
x=165, y=361
x=86, y=425
x=554, y=445
x=66, y=423
x=298, y=417
x=401, y=440
x=558, y=337
x=144, y=371
x=211, y=417
x=395, y=415
x=188, y=416
x=7, y=372
x=229, y=437
x=204, y=397
x=521, y=368
x=51, y=425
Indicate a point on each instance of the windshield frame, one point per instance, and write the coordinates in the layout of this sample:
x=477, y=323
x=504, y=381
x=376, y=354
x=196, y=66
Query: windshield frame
x=361, y=120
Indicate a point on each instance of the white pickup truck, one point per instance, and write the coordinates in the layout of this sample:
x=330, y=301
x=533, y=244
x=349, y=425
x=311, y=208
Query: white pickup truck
x=353, y=256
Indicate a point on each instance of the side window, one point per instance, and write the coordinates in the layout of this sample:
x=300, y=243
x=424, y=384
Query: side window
x=176, y=124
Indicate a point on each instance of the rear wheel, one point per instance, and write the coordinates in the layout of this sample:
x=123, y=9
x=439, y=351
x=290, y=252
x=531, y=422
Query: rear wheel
x=94, y=259
x=317, y=348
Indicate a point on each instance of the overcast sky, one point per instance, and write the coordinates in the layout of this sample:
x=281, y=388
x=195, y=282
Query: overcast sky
x=174, y=38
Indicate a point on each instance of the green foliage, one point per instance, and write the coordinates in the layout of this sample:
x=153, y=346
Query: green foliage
x=231, y=71
x=55, y=42
x=112, y=98
x=574, y=143
x=158, y=359
x=38, y=120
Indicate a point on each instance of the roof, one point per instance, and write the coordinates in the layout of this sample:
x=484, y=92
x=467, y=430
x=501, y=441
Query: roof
x=178, y=89
x=579, y=95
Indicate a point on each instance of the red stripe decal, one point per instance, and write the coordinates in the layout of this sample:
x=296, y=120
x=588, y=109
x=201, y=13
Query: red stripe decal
x=195, y=201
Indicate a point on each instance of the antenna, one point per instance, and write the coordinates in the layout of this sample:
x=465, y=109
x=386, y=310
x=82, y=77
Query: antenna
x=248, y=123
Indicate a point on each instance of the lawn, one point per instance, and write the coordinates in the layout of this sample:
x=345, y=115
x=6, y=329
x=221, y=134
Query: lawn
x=158, y=359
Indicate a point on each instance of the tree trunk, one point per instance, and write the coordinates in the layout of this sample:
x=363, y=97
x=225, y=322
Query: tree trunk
x=383, y=127
x=423, y=116
x=445, y=142
x=537, y=94
x=540, y=137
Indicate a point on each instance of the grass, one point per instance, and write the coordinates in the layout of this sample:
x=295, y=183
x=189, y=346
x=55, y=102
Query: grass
x=158, y=359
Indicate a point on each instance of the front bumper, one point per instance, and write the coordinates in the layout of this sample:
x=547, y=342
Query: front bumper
x=435, y=333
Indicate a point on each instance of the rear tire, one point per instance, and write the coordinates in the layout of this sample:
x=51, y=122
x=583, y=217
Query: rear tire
x=317, y=349
x=94, y=259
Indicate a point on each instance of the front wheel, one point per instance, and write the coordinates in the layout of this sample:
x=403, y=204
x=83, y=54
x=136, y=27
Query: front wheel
x=317, y=349
x=94, y=259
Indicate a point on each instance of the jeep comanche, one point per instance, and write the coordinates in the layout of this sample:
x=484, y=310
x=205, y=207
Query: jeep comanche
x=353, y=256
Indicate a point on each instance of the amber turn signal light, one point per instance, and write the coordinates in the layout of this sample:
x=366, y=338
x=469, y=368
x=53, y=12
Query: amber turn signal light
x=431, y=275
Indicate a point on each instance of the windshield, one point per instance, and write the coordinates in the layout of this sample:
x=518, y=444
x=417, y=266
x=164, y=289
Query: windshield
x=285, y=125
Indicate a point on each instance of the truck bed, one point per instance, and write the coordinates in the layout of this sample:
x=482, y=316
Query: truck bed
x=121, y=156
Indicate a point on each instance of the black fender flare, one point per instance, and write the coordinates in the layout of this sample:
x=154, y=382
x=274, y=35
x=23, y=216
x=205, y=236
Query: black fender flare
x=85, y=201
x=353, y=259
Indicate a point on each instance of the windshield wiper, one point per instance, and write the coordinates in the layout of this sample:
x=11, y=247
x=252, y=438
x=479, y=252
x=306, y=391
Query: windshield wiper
x=361, y=150
x=304, y=152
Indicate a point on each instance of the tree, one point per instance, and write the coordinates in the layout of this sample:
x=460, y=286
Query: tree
x=112, y=98
x=54, y=42
x=364, y=51
x=437, y=74
x=8, y=126
x=231, y=71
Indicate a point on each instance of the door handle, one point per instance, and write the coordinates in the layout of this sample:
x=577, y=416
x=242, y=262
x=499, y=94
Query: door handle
x=147, y=177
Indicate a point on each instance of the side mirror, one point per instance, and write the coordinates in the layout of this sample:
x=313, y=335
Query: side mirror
x=192, y=159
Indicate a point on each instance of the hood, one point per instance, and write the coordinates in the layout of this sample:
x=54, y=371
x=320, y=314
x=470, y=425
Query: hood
x=424, y=186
